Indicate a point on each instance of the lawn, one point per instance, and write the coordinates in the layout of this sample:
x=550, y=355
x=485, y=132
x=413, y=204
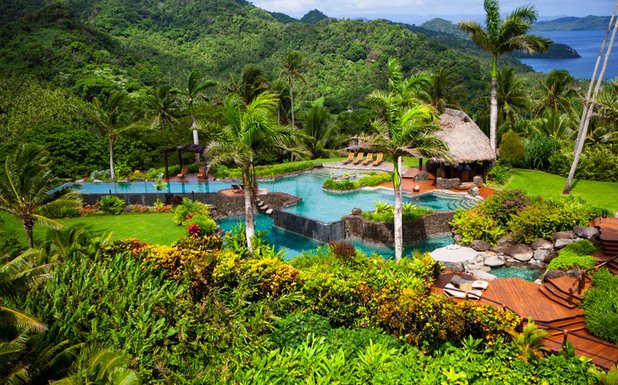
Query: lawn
x=602, y=194
x=150, y=227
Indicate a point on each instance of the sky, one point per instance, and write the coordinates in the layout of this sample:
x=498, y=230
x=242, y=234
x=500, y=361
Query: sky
x=417, y=11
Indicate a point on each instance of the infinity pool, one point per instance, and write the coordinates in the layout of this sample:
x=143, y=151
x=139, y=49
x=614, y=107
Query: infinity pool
x=294, y=244
x=316, y=203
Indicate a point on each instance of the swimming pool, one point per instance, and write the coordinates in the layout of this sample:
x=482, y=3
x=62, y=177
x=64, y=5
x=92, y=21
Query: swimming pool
x=294, y=244
x=316, y=203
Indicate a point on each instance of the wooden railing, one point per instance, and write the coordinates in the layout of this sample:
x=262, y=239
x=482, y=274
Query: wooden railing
x=581, y=281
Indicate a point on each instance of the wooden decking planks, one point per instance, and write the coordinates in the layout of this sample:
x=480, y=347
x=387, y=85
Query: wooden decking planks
x=601, y=354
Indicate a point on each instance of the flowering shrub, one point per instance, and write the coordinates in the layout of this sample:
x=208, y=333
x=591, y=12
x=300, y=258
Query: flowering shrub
x=199, y=225
x=188, y=209
x=504, y=204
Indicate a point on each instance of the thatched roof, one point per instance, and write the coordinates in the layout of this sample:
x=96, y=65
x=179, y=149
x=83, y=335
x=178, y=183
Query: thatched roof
x=466, y=142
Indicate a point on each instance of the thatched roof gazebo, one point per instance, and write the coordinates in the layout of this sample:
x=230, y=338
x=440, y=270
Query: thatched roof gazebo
x=466, y=142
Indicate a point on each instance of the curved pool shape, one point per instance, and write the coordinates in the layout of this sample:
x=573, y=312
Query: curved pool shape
x=294, y=244
x=517, y=272
x=316, y=203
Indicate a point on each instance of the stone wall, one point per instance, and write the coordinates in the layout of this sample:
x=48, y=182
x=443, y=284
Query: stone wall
x=383, y=233
x=233, y=205
x=323, y=232
x=447, y=183
x=149, y=199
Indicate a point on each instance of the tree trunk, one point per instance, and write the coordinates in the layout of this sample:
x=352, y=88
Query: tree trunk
x=112, y=172
x=29, y=228
x=249, y=226
x=493, y=109
x=196, y=139
x=398, y=220
x=292, y=101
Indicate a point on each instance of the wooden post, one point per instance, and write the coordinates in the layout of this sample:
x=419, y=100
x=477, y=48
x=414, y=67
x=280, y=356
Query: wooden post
x=571, y=296
x=420, y=164
x=167, y=172
x=565, y=339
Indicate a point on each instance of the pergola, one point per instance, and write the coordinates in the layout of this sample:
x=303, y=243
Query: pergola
x=194, y=148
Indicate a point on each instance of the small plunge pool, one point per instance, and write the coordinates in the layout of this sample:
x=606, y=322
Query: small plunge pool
x=517, y=272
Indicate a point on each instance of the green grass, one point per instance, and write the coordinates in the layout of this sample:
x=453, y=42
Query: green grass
x=602, y=194
x=149, y=227
x=409, y=162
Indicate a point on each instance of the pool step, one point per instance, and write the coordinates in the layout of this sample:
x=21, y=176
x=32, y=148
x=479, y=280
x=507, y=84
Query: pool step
x=264, y=208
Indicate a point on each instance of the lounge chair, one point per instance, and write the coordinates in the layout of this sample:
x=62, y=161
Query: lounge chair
x=200, y=172
x=452, y=291
x=476, y=284
x=237, y=188
x=359, y=158
x=182, y=173
x=379, y=160
x=349, y=159
x=368, y=160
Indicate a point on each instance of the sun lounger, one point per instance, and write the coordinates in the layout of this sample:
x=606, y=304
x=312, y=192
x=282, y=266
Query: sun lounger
x=368, y=160
x=476, y=284
x=452, y=291
x=349, y=159
x=379, y=160
x=359, y=158
x=237, y=188
x=182, y=173
x=200, y=173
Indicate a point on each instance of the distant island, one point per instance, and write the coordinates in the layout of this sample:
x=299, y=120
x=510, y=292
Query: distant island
x=587, y=23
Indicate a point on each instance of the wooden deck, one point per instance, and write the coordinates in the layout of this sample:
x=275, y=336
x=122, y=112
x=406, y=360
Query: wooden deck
x=528, y=301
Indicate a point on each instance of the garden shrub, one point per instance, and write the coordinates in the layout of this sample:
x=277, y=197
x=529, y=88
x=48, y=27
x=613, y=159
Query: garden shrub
x=201, y=224
x=511, y=148
x=205, y=242
x=474, y=224
x=499, y=174
x=221, y=171
x=537, y=151
x=187, y=209
x=373, y=179
x=542, y=218
x=102, y=175
x=503, y=205
x=385, y=212
x=293, y=330
x=111, y=204
x=601, y=305
x=598, y=162
x=344, y=250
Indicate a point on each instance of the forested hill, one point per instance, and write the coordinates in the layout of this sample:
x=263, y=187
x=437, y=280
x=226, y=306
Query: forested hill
x=573, y=24
x=89, y=46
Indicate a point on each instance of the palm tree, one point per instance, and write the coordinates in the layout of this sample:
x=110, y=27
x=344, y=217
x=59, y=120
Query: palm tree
x=111, y=119
x=321, y=133
x=558, y=92
x=251, y=130
x=554, y=124
x=293, y=66
x=502, y=36
x=162, y=107
x=445, y=90
x=512, y=98
x=196, y=88
x=100, y=367
x=530, y=341
x=405, y=127
x=26, y=186
x=252, y=83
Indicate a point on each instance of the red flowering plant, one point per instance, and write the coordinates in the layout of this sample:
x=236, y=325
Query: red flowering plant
x=194, y=230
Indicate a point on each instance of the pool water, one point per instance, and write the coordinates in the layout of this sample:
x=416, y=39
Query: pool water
x=517, y=272
x=294, y=244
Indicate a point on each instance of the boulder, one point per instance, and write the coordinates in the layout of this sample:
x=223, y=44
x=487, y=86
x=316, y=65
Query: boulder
x=552, y=274
x=505, y=240
x=458, y=238
x=541, y=243
x=483, y=275
x=454, y=266
x=454, y=253
x=535, y=263
x=544, y=255
x=523, y=257
x=474, y=191
x=574, y=273
x=586, y=232
x=478, y=180
x=479, y=245
x=494, y=261
x=563, y=235
x=513, y=250
x=560, y=243
x=357, y=211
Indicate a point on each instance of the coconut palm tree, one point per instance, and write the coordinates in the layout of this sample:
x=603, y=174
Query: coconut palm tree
x=163, y=107
x=294, y=65
x=512, y=98
x=559, y=93
x=251, y=130
x=445, y=90
x=405, y=127
x=100, y=367
x=252, y=83
x=501, y=36
x=111, y=119
x=195, y=90
x=26, y=189
x=322, y=134
x=530, y=342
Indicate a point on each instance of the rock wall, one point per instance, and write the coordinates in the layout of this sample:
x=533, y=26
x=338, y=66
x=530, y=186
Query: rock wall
x=383, y=233
x=323, y=232
x=148, y=199
x=447, y=183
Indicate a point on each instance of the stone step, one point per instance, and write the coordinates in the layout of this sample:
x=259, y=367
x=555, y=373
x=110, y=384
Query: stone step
x=269, y=212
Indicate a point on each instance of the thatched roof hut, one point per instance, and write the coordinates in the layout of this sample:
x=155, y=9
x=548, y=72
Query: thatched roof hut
x=466, y=142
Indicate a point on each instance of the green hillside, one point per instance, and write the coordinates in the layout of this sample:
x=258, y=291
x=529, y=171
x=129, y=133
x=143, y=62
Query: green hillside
x=573, y=24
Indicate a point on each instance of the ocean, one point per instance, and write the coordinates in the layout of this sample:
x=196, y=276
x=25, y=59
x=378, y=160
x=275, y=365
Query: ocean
x=587, y=44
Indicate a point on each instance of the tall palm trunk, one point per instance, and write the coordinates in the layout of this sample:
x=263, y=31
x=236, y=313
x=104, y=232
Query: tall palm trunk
x=493, y=111
x=112, y=172
x=249, y=226
x=292, y=101
x=398, y=220
x=29, y=228
x=196, y=139
x=589, y=101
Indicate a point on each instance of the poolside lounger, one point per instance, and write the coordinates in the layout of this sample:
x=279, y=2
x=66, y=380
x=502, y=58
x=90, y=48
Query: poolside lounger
x=476, y=284
x=368, y=160
x=182, y=173
x=359, y=158
x=379, y=160
x=452, y=291
x=237, y=188
x=349, y=159
x=200, y=173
